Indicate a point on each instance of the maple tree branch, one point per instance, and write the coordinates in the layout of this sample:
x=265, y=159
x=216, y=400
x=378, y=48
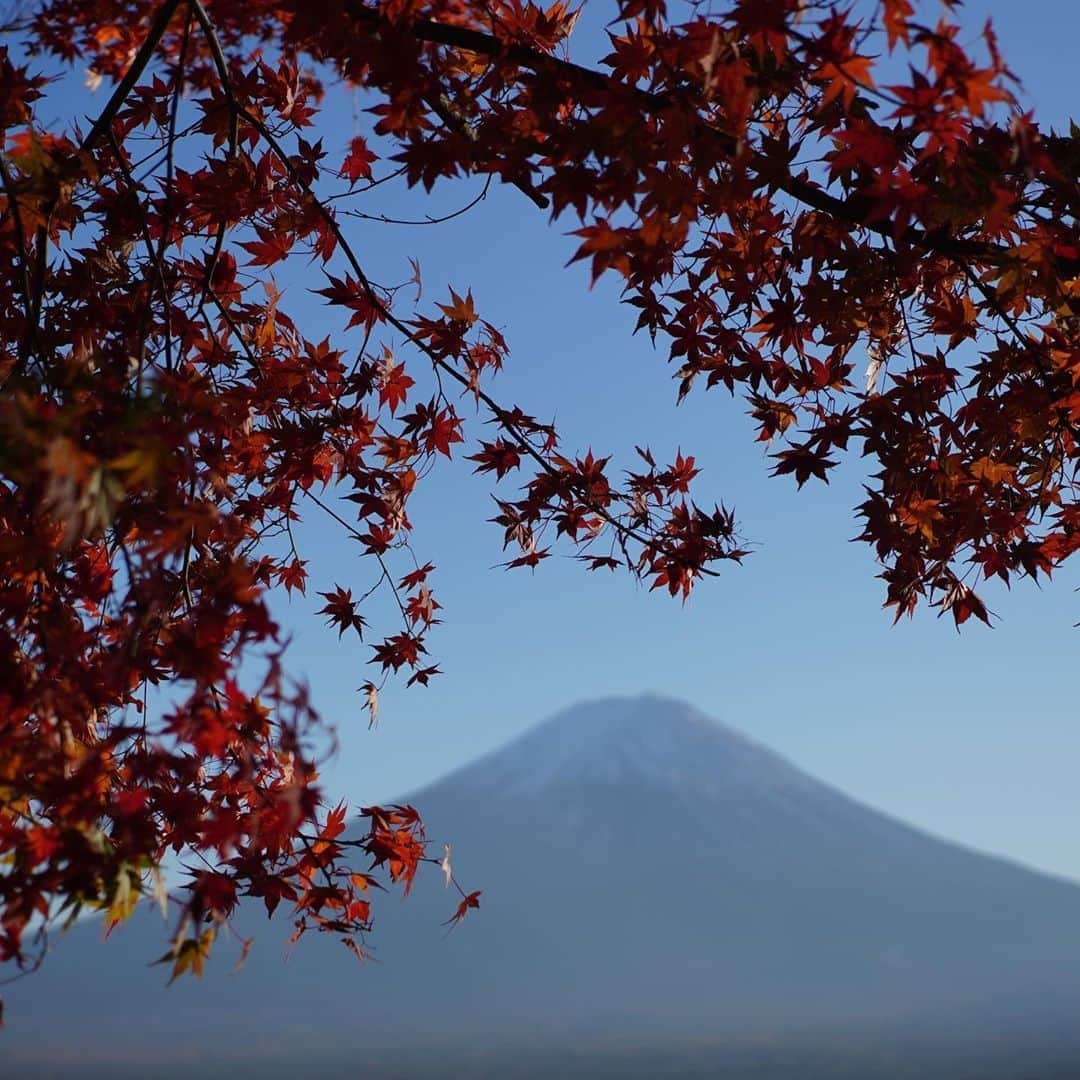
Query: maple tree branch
x=97, y=132
x=444, y=109
x=24, y=256
x=853, y=209
x=218, y=55
x=154, y=257
x=440, y=364
x=440, y=220
x=133, y=74
x=355, y=533
x=170, y=171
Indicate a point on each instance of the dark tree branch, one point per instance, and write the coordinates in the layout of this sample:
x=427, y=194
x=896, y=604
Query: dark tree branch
x=852, y=210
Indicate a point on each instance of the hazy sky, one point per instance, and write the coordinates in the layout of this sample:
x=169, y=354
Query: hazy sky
x=974, y=736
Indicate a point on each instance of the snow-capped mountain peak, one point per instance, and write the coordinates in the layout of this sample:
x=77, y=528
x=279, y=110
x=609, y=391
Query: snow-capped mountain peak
x=650, y=739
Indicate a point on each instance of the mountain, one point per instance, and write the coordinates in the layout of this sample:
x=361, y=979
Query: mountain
x=661, y=896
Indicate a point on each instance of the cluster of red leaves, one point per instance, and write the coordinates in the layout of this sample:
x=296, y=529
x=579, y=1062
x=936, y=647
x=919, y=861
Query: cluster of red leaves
x=774, y=215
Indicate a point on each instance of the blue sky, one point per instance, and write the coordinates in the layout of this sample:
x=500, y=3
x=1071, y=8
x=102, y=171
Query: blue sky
x=973, y=736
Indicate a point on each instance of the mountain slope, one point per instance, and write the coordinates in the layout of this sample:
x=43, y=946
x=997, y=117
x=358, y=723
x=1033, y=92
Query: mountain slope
x=647, y=874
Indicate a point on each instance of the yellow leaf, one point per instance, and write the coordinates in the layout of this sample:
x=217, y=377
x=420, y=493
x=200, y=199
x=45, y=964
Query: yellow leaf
x=138, y=466
x=125, y=896
x=991, y=471
x=919, y=515
x=461, y=310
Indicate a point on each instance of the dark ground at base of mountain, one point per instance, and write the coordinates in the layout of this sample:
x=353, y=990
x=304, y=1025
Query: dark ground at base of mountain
x=818, y=1060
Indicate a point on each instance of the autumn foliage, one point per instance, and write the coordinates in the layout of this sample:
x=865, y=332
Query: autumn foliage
x=843, y=217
